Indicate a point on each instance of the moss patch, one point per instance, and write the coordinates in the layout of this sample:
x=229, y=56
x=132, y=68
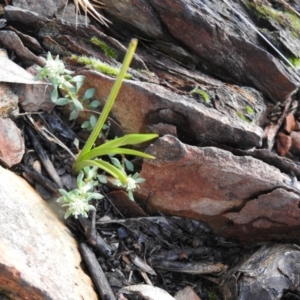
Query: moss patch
x=202, y=93
x=98, y=65
x=243, y=117
x=295, y=61
x=286, y=18
x=249, y=110
x=107, y=50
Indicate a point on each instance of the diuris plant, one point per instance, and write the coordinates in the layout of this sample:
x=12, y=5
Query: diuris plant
x=88, y=156
x=88, y=161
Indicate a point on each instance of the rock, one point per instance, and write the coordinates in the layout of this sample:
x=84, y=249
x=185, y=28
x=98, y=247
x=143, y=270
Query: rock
x=186, y=293
x=39, y=257
x=270, y=215
x=126, y=12
x=269, y=273
x=46, y=8
x=225, y=45
x=8, y=101
x=11, y=143
x=152, y=104
x=289, y=123
x=28, y=41
x=283, y=143
x=69, y=14
x=11, y=41
x=295, y=141
x=215, y=186
x=33, y=98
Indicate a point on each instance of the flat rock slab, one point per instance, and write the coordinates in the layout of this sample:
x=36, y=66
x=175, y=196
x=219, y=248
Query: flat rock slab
x=141, y=104
x=11, y=143
x=38, y=256
x=238, y=196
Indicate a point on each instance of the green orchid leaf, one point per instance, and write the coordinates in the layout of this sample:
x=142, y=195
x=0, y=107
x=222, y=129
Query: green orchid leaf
x=128, y=139
x=111, y=151
x=105, y=166
x=110, y=100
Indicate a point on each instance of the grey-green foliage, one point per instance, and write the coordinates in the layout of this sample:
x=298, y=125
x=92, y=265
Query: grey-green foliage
x=61, y=79
x=77, y=200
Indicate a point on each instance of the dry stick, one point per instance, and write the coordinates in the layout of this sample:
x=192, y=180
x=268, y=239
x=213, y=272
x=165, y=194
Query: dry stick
x=93, y=237
x=98, y=277
x=43, y=156
x=45, y=182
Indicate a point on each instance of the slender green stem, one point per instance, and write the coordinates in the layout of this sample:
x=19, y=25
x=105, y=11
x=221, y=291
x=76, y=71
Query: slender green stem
x=110, y=101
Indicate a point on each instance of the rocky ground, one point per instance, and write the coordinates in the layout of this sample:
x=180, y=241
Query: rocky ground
x=219, y=82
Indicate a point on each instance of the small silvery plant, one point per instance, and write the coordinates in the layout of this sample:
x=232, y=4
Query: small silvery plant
x=61, y=79
x=77, y=201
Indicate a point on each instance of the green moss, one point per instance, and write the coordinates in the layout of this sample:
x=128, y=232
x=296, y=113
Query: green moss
x=243, y=117
x=107, y=50
x=249, y=110
x=212, y=296
x=285, y=18
x=202, y=93
x=295, y=61
x=98, y=65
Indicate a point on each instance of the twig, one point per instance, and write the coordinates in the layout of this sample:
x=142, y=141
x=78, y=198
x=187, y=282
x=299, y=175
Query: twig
x=45, y=182
x=99, y=279
x=43, y=156
x=95, y=239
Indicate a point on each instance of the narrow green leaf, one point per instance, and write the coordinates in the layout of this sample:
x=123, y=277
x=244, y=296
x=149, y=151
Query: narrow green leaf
x=109, y=151
x=116, y=162
x=110, y=100
x=93, y=120
x=74, y=114
x=85, y=124
x=78, y=85
x=54, y=95
x=129, y=165
x=105, y=166
x=77, y=104
x=89, y=93
x=129, y=139
x=95, y=104
x=62, y=101
x=78, y=78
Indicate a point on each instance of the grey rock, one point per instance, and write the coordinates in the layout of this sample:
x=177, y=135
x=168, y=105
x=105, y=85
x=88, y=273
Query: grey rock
x=39, y=257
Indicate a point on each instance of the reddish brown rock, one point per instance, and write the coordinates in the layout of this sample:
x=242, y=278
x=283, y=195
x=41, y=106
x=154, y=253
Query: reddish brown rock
x=209, y=183
x=140, y=104
x=11, y=143
x=283, y=143
x=295, y=138
x=272, y=214
x=39, y=258
x=289, y=123
x=222, y=49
